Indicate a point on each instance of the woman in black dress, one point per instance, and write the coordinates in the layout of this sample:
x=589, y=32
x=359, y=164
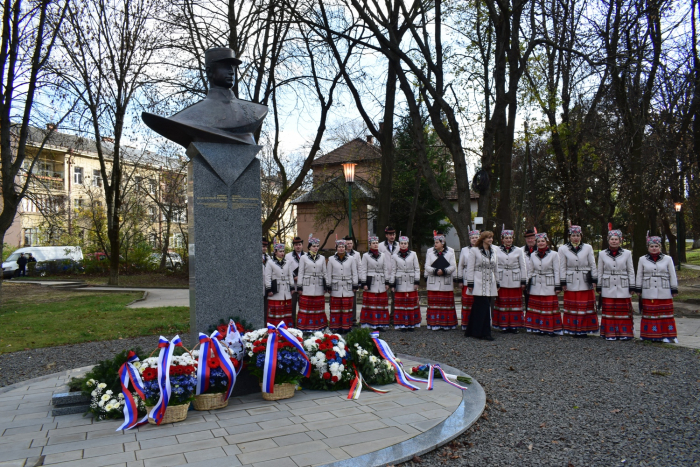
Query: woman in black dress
x=482, y=284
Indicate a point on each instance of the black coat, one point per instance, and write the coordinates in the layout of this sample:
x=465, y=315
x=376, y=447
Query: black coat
x=22, y=261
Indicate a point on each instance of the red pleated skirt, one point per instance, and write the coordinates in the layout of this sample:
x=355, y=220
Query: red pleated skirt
x=278, y=311
x=375, y=310
x=407, y=310
x=543, y=315
x=312, y=313
x=658, y=322
x=341, y=314
x=467, y=302
x=508, y=309
x=441, y=312
x=616, y=321
x=579, y=312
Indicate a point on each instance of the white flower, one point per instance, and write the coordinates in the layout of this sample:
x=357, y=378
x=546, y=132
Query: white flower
x=91, y=382
x=137, y=365
x=101, y=403
x=373, y=359
x=341, y=345
x=357, y=345
x=342, y=353
x=334, y=367
x=341, y=368
x=376, y=371
x=93, y=393
x=320, y=356
x=108, y=391
x=121, y=395
x=105, y=397
x=250, y=354
x=102, y=385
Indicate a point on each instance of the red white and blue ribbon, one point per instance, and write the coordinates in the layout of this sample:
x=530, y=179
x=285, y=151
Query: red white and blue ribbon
x=401, y=376
x=234, y=337
x=207, y=345
x=165, y=358
x=431, y=376
x=128, y=373
x=270, y=368
x=444, y=378
x=358, y=382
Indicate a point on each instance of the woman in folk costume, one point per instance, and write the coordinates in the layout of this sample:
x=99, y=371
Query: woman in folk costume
x=311, y=283
x=657, y=282
x=279, y=286
x=512, y=276
x=406, y=276
x=483, y=284
x=616, y=283
x=467, y=298
x=375, y=277
x=341, y=282
x=439, y=268
x=579, y=276
x=542, y=314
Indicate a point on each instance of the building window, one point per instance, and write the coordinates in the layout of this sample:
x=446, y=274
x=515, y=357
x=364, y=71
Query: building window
x=78, y=175
x=45, y=168
x=96, y=178
x=31, y=237
x=151, y=186
x=176, y=240
x=153, y=213
x=179, y=216
x=154, y=240
x=78, y=204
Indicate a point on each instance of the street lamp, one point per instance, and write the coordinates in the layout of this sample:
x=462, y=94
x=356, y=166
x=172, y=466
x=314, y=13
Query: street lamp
x=679, y=234
x=349, y=171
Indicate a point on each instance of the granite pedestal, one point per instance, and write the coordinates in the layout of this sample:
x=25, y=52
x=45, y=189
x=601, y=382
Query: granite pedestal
x=224, y=216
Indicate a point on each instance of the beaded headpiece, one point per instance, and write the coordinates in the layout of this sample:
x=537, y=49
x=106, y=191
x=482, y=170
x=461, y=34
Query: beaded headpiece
x=614, y=233
x=438, y=236
x=506, y=233
x=339, y=241
x=653, y=240
x=574, y=229
x=372, y=238
x=313, y=240
x=278, y=246
x=474, y=232
x=402, y=238
x=539, y=235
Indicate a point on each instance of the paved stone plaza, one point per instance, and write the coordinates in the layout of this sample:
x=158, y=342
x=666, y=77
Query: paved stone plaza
x=312, y=428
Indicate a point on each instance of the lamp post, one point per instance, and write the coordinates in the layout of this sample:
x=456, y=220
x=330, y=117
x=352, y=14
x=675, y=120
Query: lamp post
x=679, y=234
x=349, y=171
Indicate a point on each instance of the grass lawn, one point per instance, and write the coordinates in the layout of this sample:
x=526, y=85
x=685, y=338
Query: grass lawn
x=33, y=317
x=137, y=280
x=693, y=256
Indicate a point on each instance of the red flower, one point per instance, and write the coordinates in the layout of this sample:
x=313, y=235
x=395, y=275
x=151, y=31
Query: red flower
x=330, y=355
x=258, y=349
x=345, y=362
x=149, y=374
x=222, y=328
x=334, y=379
x=213, y=363
x=336, y=337
x=175, y=370
x=318, y=341
x=326, y=375
x=236, y=363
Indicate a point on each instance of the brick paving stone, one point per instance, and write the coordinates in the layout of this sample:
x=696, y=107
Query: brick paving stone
x=338, y=453
x=275, y=423
x=218, y=462
x=218, y=432
x=259, y=445
x=363, y=437
x=315, y=435
x=10, y=431
x=279, y=453
x=310, y=410
x=107, y=434
x=234, y=430
x=312, y=417
x=159, y=431
x=133, y=446
x=102, y=450
x=264, y=434
x=35, y=422
x=368, y=426
x=179, y=448
x=284, y=462
x=39, y=442
x=436, y=413
x=363, y=448
x=300, y=404
x=292, y=439
x=67, y=438
x=346, y=420
x=409, y=418
x=195, y=436
x=261, y=410
x=63, y=457
x=22, y=436
x=425, y=425
x=244, y=418
x=14, y=454
x=348, y=411
x=339, y=430
x=90, y=443
x=101, y=461
x=205, y=454
x=313, y=458
x=17, y=463
x=165, y=461
x=231, y=450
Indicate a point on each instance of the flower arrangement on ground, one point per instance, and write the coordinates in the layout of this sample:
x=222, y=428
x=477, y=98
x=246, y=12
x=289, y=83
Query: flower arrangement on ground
x=329, y=357
x=374, y=369
x=290, y=362
x=423, y=371
x=182, y=379
x=105, y=405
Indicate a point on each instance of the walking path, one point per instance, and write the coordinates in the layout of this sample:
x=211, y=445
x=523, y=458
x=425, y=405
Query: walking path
x=311, y=428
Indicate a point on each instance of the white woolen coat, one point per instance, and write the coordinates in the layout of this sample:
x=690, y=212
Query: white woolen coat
x=656, y=279
x=512, y=267
x=294, y=261
x=282, y=273
x=440, y=283
x=544, y=273
x=482, y=271
x=615, y=274
x=358, y=260
x=341, y=276
x=311, y=275
x=575, y=265
x=406, y=271
x=462, y=265
x=380, y=268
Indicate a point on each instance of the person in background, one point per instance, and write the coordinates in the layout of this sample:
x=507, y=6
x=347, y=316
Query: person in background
x=341, y=282
x=280, y=287
x=22, y=265
x=657, y=283
x=530, y=242
x=512, y=276
x=390, y=247
x=578, y=275
x=483, y=285
x=265, y=258
x=616, y=283
x=441, y=314
x=406, y=276
x=350, y=251
x=311, y=285
x=542, y=315
x=467, y=298
x=375, y=277
x=293, y=258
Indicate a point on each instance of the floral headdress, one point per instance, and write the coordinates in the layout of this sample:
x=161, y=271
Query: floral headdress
x=438, y=236
x=313, y=240
x=339, y=241
x=372, y=238
x=539, y=235
x=278, y=245
x=474, y=232
x=506, y=233
x=614, y=233
x=653, y=240
x=402, y=238
x=574, y=229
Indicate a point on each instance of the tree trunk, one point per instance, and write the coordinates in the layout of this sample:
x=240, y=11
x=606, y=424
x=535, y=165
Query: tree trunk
x=386, y=134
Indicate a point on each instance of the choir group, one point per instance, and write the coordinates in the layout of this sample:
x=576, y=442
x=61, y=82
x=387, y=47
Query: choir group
x=523, y=284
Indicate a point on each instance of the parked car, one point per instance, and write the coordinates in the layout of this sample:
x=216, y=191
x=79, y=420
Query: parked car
x=42, y=254
x=173, y=261
x=57, y=266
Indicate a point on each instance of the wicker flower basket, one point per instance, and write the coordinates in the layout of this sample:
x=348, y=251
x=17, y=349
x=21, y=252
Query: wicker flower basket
x=210, y=401
x=282, y=391
x=173, y=413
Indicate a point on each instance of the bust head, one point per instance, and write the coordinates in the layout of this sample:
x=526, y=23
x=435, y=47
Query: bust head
x=220, y=65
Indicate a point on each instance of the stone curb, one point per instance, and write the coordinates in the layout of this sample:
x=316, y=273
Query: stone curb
x=144, y=297
x=466, y=414
x=38, y=379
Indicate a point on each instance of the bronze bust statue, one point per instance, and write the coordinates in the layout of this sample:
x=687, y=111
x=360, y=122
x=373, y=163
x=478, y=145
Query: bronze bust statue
x=220, y=117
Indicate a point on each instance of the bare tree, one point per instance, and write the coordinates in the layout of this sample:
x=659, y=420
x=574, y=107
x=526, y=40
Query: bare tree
x=108, y=47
